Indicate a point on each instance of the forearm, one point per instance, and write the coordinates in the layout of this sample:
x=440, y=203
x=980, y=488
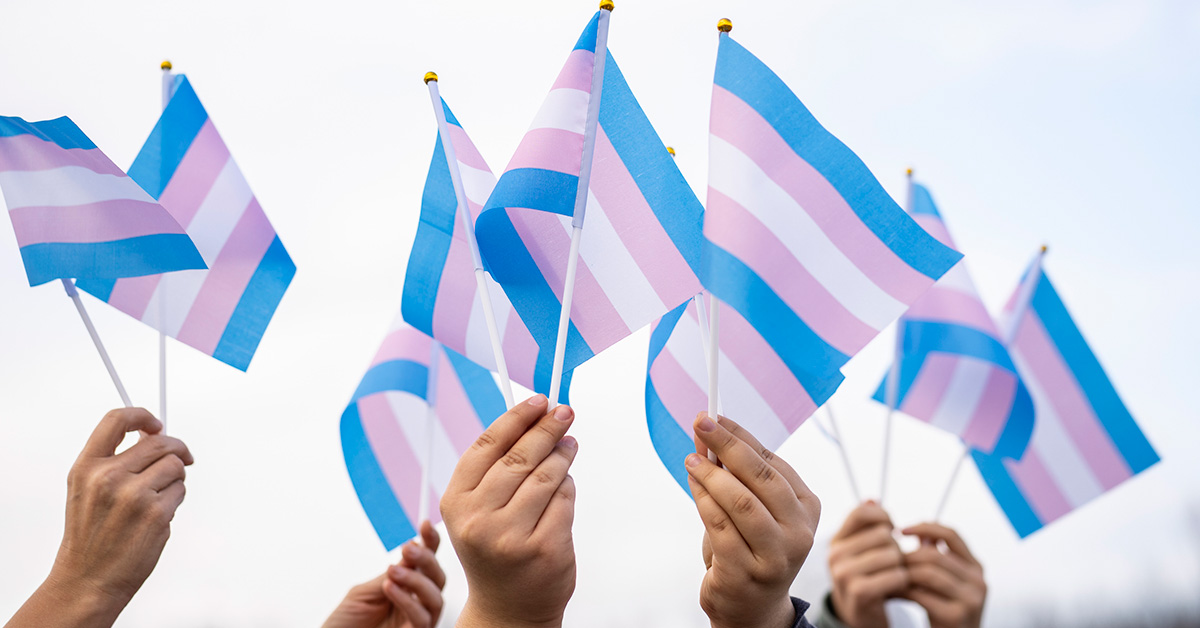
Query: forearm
x=475, y=615
x=63, y=604
x=781, y=615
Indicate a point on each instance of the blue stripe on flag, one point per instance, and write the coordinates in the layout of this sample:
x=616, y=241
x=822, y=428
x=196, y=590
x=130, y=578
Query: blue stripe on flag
x=587, y=40
x=671, y=443
x=534, y=188
x=1098, y=389
x=170, y=140
x=431, y=246
x=449, y=115
x=749, y=79
x=812, y=361
x=62, y=131
x=131, y=257
x=395, y=375
x=922, y=202
x=1018, y=427
x=99, y=288
x=1012, y=501
x=257, y=305
x=663, y=329
x=378, y=500
x=924, y=337
x=653, y=169
x=481, y=389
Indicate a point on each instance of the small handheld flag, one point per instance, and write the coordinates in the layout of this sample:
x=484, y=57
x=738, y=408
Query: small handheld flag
x=388, y=441
x=1085, y=442
x=76, y=215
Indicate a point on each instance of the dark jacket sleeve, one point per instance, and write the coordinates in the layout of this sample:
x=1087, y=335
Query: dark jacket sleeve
x=801, y=607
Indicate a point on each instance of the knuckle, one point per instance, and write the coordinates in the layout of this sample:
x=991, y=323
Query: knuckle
x=541, y=477
x=765, y=473
x=484, y=441
x=515, y=459
x=744, y=504
x=719, y=523
x=767, y=454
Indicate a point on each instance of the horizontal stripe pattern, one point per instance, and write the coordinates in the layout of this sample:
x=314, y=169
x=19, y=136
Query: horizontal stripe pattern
x=756, y=388
x=640, y=245
x=223, y=311
x=955, y=373
x=1084, y=444
x=388, y=439
x=802, y=241
x=440, y=289
x=77, y=215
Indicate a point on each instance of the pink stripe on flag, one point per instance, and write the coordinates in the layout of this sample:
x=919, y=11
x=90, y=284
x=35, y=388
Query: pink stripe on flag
x=405, y=344
x=27, y=153
x=520, y=351
x=1038, y=486
x=226, y=280
x=936, y=228
x=556, y=150
x=739, y=124
x=680, y=394
x=647, y=242
x=1047, y=367
x=925, y=395
x=455, y=296
x=577, y=71
x=195, y=175
x=763, y=368
x=132, y=295
x=992, y=410
x=464, y=149
x=392, y=451
x=951, y=306
x=454, y=409
x=740, y=232
x=106, y=221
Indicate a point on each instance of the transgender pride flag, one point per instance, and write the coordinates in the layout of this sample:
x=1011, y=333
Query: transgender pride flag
x=640, y=245
x=954, y=370
x=224, y=310
x=418, y=408
x=440, y=291
x=76, y=214
x=805, y=245
x=1084, y=441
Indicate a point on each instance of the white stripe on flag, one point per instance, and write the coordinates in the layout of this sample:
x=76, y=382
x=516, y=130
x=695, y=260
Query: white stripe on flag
x=479, y=341
x=962, y=395
x=477, y=183
x=180, y=290
x=412, y=414
x=564, y=108
x=220, y=212
x=613, y=266
x=742, y=180
x=67, y=186
x=958, y=280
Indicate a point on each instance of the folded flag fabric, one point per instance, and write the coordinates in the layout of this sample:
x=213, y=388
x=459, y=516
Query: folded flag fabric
x=1085, y=442
x=418, y=408
x=440, y=291
x=803, y=242
x=222, y=311
x=640, y=246
x=76, y=214
x=955, y=372
x=756, y=387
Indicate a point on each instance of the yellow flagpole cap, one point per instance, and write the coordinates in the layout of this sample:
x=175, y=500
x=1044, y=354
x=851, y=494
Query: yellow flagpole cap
x=166, y=66
x=909, y=172
x=1044, y=249
x=607, y=5
x=724, y=25
x=671, y=150
x=430, y=76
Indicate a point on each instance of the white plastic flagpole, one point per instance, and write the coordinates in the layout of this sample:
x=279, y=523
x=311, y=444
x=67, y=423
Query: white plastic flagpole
x=891, y=391
x=463, y=212
x=168, y=90
x=837, y=439
x=581, y=197
x=1024, y=297
x=430, y=421
x=91, y=329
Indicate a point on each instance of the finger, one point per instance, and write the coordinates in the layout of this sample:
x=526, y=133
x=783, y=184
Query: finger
x=560, y=514
x=170, y=498
x=753, y=472
x=937, y=532
x=427, y=592
x=866, y=515
x=430, y=536
x=722, y=536
x=421, y=559
x=112, y=429
x=931, y=555
x=417, y=616
x=163, y=473
x=789, y=474
x=494, y=443
x=539, y=487
x=501, y=482
x=934, y=604
x=733, y=516
x=879, y=586
x=149, y=449
x=934, y=579
x=868, y=563
x=880, y=535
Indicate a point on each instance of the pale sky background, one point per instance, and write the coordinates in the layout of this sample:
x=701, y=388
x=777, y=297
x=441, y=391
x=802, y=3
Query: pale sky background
x=1072, y=123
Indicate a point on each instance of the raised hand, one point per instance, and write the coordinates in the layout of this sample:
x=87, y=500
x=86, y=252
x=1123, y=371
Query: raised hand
x=407, y=595
x=867, y=567
x=945, y=578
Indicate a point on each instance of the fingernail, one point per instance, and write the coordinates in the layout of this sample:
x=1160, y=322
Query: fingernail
x=692, y=460
x=399, y=571
x=537, y=400
x=706, y=425
x=563, y=413
x=569, y=442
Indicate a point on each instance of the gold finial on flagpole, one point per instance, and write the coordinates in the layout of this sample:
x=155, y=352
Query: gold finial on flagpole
x=671, y=150
x=607, y=5
x=909, y=172
x=724, y=25
x=166, y=66
x=1044, y=249
x=430, y=76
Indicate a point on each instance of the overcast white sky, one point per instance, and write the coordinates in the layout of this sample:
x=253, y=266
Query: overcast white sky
x=1070, y=122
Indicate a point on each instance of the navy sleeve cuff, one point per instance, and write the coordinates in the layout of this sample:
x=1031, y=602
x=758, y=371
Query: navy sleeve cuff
x=801, y=607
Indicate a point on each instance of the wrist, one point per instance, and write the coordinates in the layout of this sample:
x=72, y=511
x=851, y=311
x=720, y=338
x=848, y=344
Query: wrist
x=477, y=614
x=68, y=601
x=781, y=614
